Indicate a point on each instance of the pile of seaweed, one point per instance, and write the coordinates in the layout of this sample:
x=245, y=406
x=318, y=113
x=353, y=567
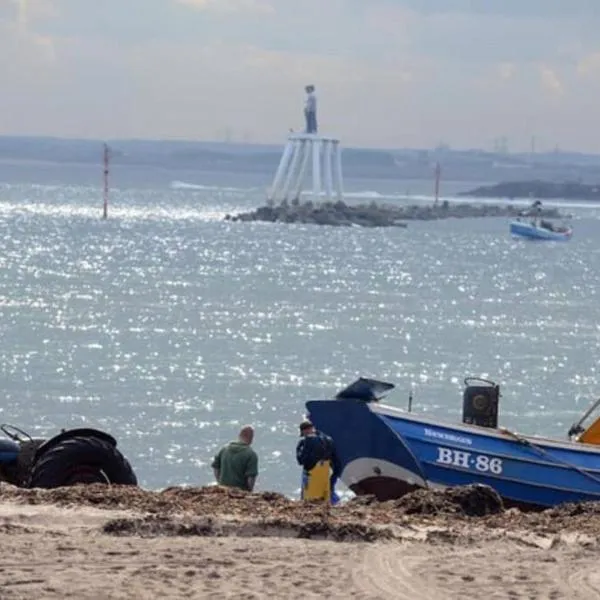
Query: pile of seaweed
x=215, y=510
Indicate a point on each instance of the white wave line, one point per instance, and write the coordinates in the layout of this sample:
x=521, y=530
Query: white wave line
x=126, y=213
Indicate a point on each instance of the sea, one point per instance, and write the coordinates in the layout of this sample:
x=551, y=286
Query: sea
x=170, y=327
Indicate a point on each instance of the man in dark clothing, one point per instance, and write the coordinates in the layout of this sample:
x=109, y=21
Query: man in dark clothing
x=315, y=447
x=236, y=465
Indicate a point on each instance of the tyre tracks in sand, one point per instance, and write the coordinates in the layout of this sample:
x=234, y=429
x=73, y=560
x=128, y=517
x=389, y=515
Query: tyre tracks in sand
x=490, y=569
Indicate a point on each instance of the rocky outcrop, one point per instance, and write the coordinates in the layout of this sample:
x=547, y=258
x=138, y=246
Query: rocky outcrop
x=537, y=189
x=374, y=215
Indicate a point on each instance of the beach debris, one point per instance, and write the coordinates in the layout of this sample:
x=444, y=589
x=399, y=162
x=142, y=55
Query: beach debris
x=186, y=526
x=215, y=510
x=474, y=500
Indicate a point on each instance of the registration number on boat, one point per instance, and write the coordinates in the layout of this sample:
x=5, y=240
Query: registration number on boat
x=469, y=460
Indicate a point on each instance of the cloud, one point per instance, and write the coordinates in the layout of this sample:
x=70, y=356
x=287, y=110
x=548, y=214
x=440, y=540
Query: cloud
x=589, y=65
x=392, y=72
x=551, y=81
x=22, y=14
x=230, y=6
x=472, y=38
x=514, y=9
x=506, y=70
x=29, y=12
x=19, y=41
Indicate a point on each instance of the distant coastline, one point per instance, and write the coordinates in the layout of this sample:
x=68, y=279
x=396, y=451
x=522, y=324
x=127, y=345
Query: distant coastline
x=540, y=190
x=394, y=165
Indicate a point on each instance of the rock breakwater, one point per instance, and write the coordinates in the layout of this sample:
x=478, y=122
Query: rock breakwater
x=341, y=214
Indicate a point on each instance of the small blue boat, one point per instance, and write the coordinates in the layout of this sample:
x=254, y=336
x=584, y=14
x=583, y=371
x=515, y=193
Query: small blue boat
x=388, y=452
x=544, y=231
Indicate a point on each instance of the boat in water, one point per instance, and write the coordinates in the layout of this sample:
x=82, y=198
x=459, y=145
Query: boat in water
x=544, y=230
x=388, y=452
x=538, y=228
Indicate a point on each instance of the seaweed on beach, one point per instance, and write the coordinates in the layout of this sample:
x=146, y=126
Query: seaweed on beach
x=207, y=510
x=186, y=526
x=470, y=500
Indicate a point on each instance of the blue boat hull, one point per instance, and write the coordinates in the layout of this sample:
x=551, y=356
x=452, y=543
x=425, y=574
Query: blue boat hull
x=527, y=230
x=387, y=452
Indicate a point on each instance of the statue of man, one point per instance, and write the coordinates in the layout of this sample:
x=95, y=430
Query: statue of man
x=310, y=109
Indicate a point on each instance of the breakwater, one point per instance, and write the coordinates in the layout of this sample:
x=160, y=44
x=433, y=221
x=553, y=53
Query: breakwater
x=375, y=215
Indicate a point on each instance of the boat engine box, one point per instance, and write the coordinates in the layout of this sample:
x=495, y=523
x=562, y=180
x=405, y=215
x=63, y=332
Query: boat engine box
x=480, y=402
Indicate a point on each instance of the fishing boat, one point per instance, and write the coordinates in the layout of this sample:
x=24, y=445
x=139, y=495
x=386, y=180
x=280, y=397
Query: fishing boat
x=388, y=452
x=542, y=230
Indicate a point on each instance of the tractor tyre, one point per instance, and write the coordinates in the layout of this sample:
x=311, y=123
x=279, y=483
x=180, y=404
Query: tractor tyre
x=81, y=460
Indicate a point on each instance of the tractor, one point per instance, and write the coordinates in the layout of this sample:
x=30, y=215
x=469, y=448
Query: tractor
x=74, y=456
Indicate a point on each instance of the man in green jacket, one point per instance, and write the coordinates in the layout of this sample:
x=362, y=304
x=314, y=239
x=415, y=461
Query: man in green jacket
x=236, y=464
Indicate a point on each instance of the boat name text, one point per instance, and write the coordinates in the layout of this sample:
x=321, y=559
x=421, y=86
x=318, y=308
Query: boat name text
x=459, y=439
x=468, y=460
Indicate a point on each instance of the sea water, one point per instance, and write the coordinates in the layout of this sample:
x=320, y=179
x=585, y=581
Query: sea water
x=170, y=327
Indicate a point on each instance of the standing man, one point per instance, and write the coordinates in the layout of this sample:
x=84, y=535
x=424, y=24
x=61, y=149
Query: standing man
x=310, y=109
x=315, y=452
x=236, y=464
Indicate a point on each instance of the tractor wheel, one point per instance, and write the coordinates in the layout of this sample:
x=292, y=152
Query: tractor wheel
x=81, y=460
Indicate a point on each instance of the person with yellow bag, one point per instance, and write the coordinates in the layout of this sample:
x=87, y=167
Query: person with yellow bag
x=315, y=452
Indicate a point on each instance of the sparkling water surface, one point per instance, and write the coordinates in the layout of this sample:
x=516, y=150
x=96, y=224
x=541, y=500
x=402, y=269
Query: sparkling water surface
x=170, y=327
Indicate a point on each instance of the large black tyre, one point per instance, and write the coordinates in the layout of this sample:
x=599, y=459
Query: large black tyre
x=81, y=460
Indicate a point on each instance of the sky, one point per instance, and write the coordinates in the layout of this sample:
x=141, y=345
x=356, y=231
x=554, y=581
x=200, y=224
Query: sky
x=388, y=73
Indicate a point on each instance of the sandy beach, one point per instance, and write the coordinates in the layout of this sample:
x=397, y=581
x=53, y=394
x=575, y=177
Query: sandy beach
x=109, y=543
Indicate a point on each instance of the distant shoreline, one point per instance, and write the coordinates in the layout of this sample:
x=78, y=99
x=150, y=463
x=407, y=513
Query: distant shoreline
x=394, y=165
x=538, y=190
x=35, y=162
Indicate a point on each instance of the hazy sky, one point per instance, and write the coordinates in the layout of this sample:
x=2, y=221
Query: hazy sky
x=387, y=72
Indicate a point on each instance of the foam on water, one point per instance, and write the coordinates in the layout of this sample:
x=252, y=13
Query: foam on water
x=182, y=185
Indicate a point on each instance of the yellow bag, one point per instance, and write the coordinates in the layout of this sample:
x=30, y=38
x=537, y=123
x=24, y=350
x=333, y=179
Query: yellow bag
x=316, y=484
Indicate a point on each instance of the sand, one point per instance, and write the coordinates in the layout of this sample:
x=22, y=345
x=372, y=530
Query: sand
x=109, y=543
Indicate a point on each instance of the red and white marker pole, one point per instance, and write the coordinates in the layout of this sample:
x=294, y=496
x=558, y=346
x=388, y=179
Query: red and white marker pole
x=438, y=174
x=106, y=170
